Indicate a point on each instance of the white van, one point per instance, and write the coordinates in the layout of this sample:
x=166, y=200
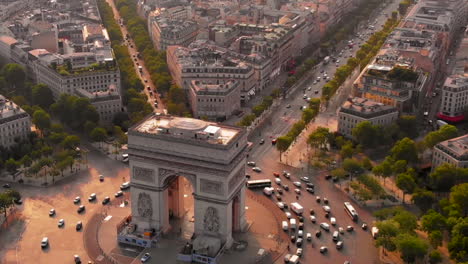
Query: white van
x=44, y=242
x=294, y=259
x=292, y=223
x=336, y=235
x=285, y=225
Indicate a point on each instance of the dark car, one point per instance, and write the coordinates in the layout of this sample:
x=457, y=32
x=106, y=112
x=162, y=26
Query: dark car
x=364, y=226
x=248, y=176
x=301, y=226
x=301, y=219
x=310, y=190
x=325, y=200
x=327, y=215
x=6, y=185
x=106, y=200
x=18, y=201
x=278, y=197
x=79, y=225
x=318, y=233
x=328, y=176
x=310, y=185
x=349, y=228
x=293, y=239
x=312, y=212
x=335, y=179
x=80, y=209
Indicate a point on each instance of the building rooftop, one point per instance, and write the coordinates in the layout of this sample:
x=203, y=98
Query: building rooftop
x=208, y=88
x=188, y=129
x=457, y=147
x=10, y=111
x=99, y=96
x=366, y=108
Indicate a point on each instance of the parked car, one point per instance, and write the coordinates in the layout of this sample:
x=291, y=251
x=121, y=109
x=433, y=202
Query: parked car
x=326, y=208
x=6, y=186
x=333, y=220
x=118, y=194
x=251, y=163
x=305, y=179
x=339, y=245
x=313, y=219
x=317, y=199
x=61, y=222
x=323, y=250
x=310, y=190
x=77, y=200
x=364, y=226
x=285, y=187
x=325, y=226
x=349, y=228
x=77, y=259
x=52, y=212
x=145, y=257
x=297, y=184
x=101, y=178
x=257, y=169
x=318, y=233
x=125, y=186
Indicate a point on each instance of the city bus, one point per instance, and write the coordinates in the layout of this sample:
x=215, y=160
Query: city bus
x=258, y=184
x=351, y=211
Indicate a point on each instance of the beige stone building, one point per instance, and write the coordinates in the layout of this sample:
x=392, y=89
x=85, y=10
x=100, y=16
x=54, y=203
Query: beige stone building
x=15, y=123
x=357, y=110
x=453, y=151
x=217, y=100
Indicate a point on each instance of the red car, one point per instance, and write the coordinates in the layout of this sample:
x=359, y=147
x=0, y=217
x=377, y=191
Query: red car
x=276, y=174
x=273, y=142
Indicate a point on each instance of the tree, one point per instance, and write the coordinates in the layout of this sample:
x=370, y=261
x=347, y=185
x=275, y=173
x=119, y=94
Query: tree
x=394, y=15
x=282, y=144
x=5, y=203
x=347, y=150
x=444, y=177
x=406, y=183
x=352, y=166
x=14, y=75
x=42, y=120
x=435, y=257
x=388, y=230
x=11, y=165
x=405, y=149
x=399, y=166
x=444, y=133
x=319, y=138
x=365, y=134
x=26, y=161
x=13, y=194
x=459, y=197
x=423, y=199
x=458, y=245
x=42, y=96
x=308, y=115
x=435, y=238
x=433, y=221
x=408, y=221
x=98, y=134
x=411, y=247
x=71, y=142
x=366, y=163
x=383, y=169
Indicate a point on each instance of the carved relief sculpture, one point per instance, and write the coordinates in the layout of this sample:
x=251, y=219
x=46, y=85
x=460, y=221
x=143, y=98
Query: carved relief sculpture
x=145, y=205
x=211, y=220
x=212, y=187
x=143, y=174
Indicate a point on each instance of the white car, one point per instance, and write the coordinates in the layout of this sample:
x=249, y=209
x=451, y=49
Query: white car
x=315, y=82
x=288, y=215
x=309, y=236
x=257, y=169
x=333, y=220
x=325, y=226
x=251, y=163
x=299, y=252
x=300, y=233
x=278, y=181
x=313, y=219
x=280, y=205
x=61, y=222
x=297, y=191
x=297, y=184
x=305, y=179
x=326, y=208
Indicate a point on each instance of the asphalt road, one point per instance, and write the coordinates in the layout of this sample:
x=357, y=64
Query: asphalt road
x=21, y=242
x=150, y=89
x=358, y=245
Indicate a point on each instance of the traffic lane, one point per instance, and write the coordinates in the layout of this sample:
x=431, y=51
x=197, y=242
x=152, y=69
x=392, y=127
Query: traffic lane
x=66, y=241
x=336, y=199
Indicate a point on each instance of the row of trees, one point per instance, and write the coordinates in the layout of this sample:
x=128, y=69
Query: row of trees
x=308, y=114
x=363, y=57
x=258, y=110
x=136, y=102
x=155, y=61
x=301, y=70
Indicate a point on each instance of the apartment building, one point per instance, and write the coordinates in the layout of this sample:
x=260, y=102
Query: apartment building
x=392, y=79
x=15, y=123
x=216, y=101
x=107, y=103
x=203, y=63
x=454, y=98
x=453, y=151
x=165, y=32
x=356, y=110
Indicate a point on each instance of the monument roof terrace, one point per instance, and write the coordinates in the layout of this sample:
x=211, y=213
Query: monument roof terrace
x=188, y=129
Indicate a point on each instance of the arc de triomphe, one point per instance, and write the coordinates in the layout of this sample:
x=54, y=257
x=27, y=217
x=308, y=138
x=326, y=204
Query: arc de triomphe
x=209, y=155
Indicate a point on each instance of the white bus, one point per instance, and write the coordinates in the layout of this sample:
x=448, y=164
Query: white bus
x=351, y=211
x=258, y=184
